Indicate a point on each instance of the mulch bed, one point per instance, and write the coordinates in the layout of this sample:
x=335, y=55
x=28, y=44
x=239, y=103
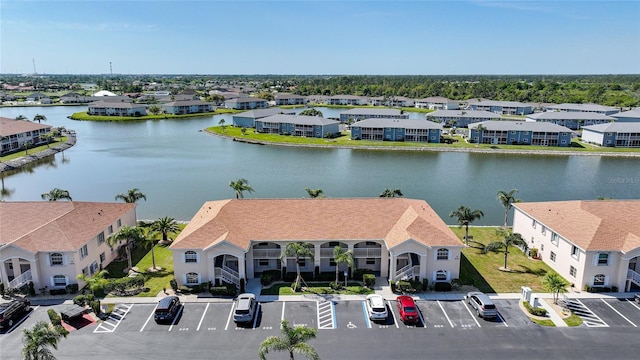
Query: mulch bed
x=80, y=322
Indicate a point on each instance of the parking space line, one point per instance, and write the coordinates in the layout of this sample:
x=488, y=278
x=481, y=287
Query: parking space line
x=282, y=316
x=230, y=315
x=117, y=315
x=202, y=317
x=632, y=303
x=149, y=318
x=366, y=316
x=503, y=320
x=445, y=313
x=326, y=313
x=470, y=313
x=395, y=321
x=619, y=313
x=255, y=316
x=176, y=317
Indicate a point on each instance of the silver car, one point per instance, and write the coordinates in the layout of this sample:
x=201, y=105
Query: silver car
x=484, y=307
x=376, y=307
x=246, y=305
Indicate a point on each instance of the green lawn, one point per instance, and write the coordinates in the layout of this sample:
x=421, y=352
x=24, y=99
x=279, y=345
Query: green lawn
x=482, y=270
x=315, y=288
x=33, y=150
x=141, y=259
x=82, y=115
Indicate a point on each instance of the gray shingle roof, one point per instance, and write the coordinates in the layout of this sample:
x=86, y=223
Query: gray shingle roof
x=437, y=99
x=617, y=127
x=569, y=115
x=520, y=125
x=501, y=103
x=245, y=100
x=260, y=113
x=187, y=103
x=464, y=114
x=298, y=119
x=397, y=123
x=582, y=107
x=635, y=113
x=115, y=105
x=370, y=111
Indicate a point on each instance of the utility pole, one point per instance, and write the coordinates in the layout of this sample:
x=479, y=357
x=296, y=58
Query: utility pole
x=34, y=66
x=110, y=69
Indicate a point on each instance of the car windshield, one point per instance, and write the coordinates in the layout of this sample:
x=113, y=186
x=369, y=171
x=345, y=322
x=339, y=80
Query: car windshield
x=489, y=306
x=242, y=311
x=409, y=309
x=378, y=309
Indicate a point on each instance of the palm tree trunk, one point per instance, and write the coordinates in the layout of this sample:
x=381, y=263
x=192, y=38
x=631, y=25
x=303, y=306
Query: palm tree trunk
x=337, y=273
x=153, y=256
x=506, y=251
x=297, y=282
x=466, y=234
x=506, y=214
x=128, y=249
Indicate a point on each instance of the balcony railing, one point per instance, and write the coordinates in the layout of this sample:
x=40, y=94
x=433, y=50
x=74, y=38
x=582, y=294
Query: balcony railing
x=266, y=253
x=633, y=276
x=407, y=272
x=367, y=252
x=22, y=279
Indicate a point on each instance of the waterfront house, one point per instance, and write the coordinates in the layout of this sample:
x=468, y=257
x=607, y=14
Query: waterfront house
x=502, y=107
x=396, y=130
x=594, y=108
x=36, y=96
x=574, y=120
x=628, y=116
x=372, y=113
x=347, y=100
x=289, y=99
x=616, y=134
x=248, y=103
x=461, y=118
x=396, y=238
x=248, y=118
x=589, y=243
x=15, y=133
x=437, y=103
x=51, y=242
x=297, y=125
x=180, y=107
x=396, y=101
x=519, y=132
x=109, y=108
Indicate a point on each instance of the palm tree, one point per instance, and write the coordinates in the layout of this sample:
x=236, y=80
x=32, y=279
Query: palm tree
x=95, y=282
x=222, y=125
x=465, y=217
x=314, y=193
x=129, y=234
x=26, y=145
x=510, y=239
x=555, y=284
x=386, y=193
x=56, y=194
x=164, y=226
x=21, y=117
x=298, y=250
x=150, y=237
x=132, y=196
x=39, y=118
x=240, y=186
x=342, y=256
x=507, y=198
x=294, y=341
x=37, y=341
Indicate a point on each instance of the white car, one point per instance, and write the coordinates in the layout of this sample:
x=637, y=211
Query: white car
x=376, y=307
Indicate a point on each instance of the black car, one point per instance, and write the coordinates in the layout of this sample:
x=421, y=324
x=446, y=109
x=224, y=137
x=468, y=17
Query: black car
x=167, y=309
x=13, y=311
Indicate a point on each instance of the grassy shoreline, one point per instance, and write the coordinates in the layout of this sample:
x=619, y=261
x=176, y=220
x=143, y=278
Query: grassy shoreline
x=83, y=116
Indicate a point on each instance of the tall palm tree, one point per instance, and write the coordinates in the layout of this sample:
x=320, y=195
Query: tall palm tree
x=294, y=341
x=129, y=234
x=465, y=217
x=314, y=193
x=298, y=250
x=95, y=282
x=26, y=145
x=386, y=193
x=507, y=198
x=164, y=226
x=222, y=125
x=150, y=237
x=240, y=186
x=132, y=196
x=39, y=118
x=38, y=340
x=510, y=239
x=341, y=256
x=555, y=284
x=56, y=194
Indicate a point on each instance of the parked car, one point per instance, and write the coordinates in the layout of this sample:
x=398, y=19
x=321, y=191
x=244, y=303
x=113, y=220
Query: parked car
x=246, y=306
x=376, y=307
x=13, y=311
x=484, y=307
x=407, y=309
x=167, y=309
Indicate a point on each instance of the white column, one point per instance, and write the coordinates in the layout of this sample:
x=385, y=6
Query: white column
x=316, y=255
x=384, y=262
x=423, y=266
x=249, y=263
x=392, y=266
x=623, y=268
x=242, y=273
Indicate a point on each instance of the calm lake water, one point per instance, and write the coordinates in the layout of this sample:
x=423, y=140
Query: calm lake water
x=179, y=168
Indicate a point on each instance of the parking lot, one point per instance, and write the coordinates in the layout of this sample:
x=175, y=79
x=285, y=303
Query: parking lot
x=611, y=313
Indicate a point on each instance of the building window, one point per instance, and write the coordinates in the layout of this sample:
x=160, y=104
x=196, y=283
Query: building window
x=552, y=256
x=110, y=229
x=371, y=261
x=332, y=262
x=102, y=257
x=190, y=256
x=119, y=222
x=541, y=247
x=56, y=259
x=574, y=251
x=603, y=259
x=555, y=239
x=441, y=275
x=443, y=254
x=302, y=263
x=192, y=278
x=371, y=243
x=84, y=252
x=533, y=223
x=598, y=280
x=543, y=230
x=59, y=280
x=93, y=268
x=100, y=238
x=85, y=271
x=333, y=244
x=263, y=262
x=572, y=271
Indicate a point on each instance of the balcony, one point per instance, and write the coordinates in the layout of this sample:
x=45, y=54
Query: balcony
x=267, y=253
x=371, y=252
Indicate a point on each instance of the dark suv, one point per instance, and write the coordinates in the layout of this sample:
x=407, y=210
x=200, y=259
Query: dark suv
x=167, y=309
x=13, y=311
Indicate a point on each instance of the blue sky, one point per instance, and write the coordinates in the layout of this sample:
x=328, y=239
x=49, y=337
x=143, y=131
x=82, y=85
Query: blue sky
x=320, y=37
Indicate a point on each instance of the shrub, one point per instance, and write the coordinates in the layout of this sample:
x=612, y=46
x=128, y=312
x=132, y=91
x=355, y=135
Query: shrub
x=442, y=286
x=32, y=289
x=184, y=289
x=358, y=274
x=72, y=288
x=218, y=290
x=425, y=284
x=57, y=291
x=205, y=286
x=55, y=318
x=266, y=279
x=174, y=284
x=61, y=330
x=405, y=287
x=95, y=306
x=534, y=311
x=90, y=297
x=80, y=300
x=369, y=280
x=1, y=289
x=533, y=252
x=335, y=285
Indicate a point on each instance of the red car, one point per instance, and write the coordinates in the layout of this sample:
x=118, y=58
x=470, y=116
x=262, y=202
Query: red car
x=407, y=309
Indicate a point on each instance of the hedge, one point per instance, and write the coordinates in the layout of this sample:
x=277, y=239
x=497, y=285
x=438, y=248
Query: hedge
x=535, y=311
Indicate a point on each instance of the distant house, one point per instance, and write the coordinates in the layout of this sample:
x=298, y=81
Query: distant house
x=519, y=132
x=347, y=100
x=181, y=107
x=246, y=103
x=574, y=120
x=616, y=134
x=108, y=108
x=75, y=98
x=15, y=133
x=461, y=118
x=594, y=108
x=104, y=93
x=297, y=125
x=590, y=243
x=627, y=116
x=396, y=130
x=437, y=103
x=51, y=242
x=290, y=99
x=503, y=107
x=394, y=101
x=369, y=113
x=36, y=96
x=248, y=118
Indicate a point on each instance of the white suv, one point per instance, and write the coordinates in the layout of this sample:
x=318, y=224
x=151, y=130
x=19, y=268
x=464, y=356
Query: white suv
x=246, y=305
x=376, y=307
